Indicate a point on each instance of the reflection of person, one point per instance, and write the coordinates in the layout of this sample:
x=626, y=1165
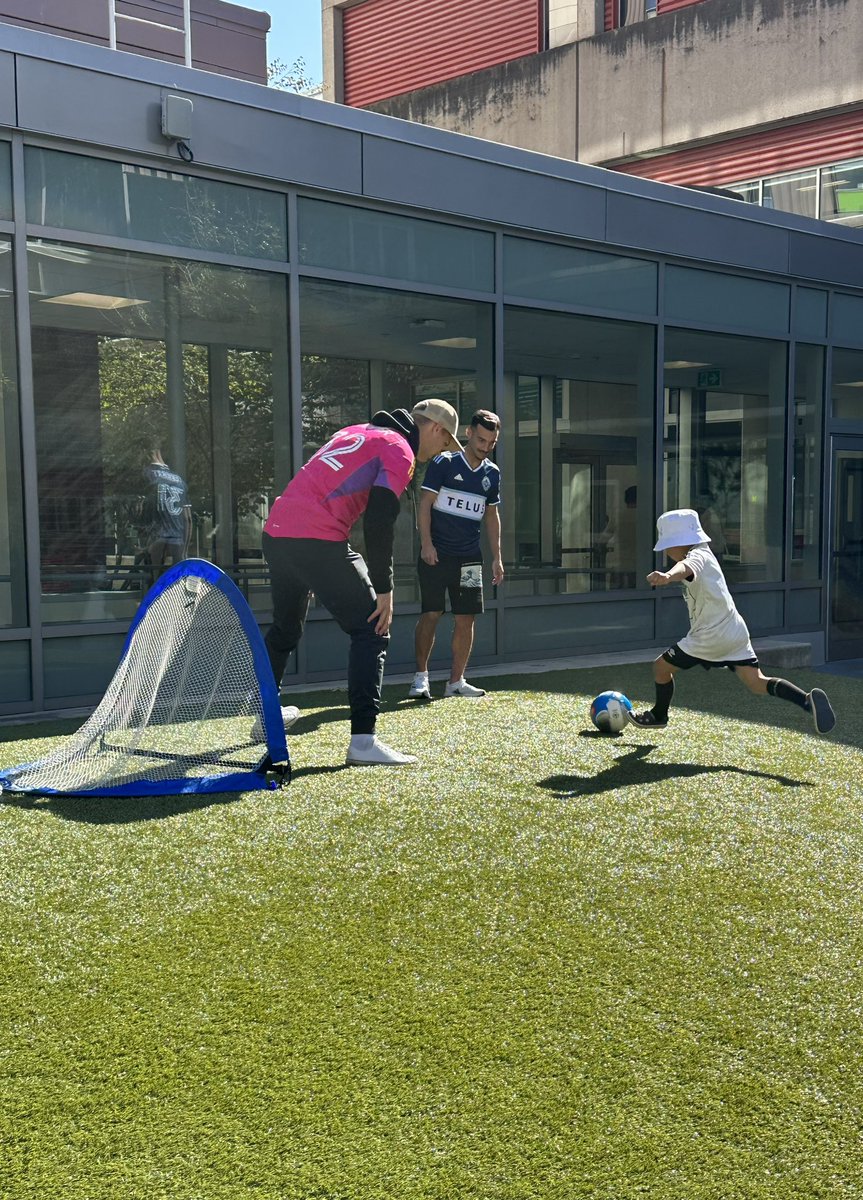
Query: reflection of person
x=718, y=636
x=619, y=536
x=458, y=491
x=167, y=514
x=362, y=470
x=711, y=523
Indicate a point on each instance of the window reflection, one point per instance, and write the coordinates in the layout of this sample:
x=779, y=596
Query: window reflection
x=794, y=193
x=73, y=191
x=365, y=349
x=848, y=385
x=135, y=355
x=808, y=423
x=723, y=449
x=579, y=400
x=13, y=590
x=842, y=193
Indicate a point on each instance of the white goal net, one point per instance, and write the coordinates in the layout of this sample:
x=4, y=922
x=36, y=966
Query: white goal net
x=192, y=707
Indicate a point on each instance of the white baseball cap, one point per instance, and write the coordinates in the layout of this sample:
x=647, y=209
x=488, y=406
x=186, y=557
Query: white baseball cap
x=679, y=527
x=441, y=413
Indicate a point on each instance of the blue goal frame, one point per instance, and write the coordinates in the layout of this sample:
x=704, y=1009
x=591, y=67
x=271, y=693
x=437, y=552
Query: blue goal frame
x=275, y=766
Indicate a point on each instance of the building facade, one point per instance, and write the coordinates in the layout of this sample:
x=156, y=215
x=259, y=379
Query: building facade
x=763, y=97
x=314, y=263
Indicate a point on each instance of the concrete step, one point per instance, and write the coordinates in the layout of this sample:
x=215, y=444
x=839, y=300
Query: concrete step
x=779, y=652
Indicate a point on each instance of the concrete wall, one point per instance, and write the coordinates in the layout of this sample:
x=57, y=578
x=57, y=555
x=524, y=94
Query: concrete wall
x=716, y=68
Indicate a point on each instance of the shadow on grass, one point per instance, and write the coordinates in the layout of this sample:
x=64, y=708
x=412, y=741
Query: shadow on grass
x=119, y=810
x=708, y=693
x=633, y=769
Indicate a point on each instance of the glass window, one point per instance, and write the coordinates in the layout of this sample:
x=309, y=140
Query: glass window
x=810, y=314
x=70, y=191
x=566, y=275
x=794, y=193
x=724, y=445
x=847, y=319
x=716, y=299
x=365, y=349
x=579, y=404
x=13, y=588
x=749, y=192
x=842, y=193
x=141, y=366
x=15, y=685
x=847, y=391
x=375, y=243
x=5, y=182
x=808, y=453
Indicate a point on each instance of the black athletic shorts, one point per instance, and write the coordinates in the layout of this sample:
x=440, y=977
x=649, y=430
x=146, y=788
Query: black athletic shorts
x=683, y=661
x=462, y=578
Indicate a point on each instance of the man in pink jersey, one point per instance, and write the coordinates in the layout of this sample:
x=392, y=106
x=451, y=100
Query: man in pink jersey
x=361, y=471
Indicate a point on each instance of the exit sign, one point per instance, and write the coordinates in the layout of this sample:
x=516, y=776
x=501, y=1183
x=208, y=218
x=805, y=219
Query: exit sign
x=710, y=379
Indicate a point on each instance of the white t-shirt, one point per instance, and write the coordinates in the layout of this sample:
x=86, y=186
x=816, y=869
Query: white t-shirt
x=717, y=631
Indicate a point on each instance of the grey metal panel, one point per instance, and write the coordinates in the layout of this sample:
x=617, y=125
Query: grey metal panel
x=551, y=630
x=7, y=89
x=832, y=260
x=762, y=611
x=803, y=608
x=694, y=233
x=92, y=107
x=406, y=174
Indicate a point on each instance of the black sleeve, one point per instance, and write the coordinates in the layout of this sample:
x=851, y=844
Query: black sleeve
x=379, y=528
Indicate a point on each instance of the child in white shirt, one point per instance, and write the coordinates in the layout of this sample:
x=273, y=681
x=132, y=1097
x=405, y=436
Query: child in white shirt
x=718, y=636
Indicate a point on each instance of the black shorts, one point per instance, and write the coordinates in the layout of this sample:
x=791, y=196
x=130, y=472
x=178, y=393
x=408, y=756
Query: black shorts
x=461, y=577
x=676, y=657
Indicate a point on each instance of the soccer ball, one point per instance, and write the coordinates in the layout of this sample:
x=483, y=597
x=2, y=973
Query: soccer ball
x=610, y=712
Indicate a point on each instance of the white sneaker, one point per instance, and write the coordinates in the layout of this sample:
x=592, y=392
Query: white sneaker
x=463, y=688
x=289, y=714
x=419, y=689
x=377, y=755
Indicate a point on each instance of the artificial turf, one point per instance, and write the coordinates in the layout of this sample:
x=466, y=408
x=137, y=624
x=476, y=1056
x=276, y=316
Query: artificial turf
x=542, y=964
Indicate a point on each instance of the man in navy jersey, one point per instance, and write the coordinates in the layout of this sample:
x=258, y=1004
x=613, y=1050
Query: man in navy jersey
x=460, y=490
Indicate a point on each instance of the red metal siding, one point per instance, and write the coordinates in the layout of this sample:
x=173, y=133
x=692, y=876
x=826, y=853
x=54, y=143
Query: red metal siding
x=396, y=46
x=769, y=152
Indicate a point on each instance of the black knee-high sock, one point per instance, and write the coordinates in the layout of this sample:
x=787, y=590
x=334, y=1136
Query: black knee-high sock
x=664, y=692
x=784, y=690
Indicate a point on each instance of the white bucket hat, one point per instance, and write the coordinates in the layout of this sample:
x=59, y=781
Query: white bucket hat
x=680, y=527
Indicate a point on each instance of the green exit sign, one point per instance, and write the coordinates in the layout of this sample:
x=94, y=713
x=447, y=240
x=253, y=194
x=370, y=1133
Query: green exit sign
x=710, y=379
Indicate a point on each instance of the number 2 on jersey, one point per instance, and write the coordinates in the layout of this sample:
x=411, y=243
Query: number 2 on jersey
x=332, y=455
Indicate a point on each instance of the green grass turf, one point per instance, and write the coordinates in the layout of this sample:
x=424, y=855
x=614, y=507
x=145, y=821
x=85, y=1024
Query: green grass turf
x=542, y=964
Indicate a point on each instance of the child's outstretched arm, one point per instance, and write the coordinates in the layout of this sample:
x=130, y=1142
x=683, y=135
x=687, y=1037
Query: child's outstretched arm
x=677, y=574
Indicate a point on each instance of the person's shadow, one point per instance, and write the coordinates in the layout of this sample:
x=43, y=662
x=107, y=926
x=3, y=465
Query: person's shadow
x=633, y=768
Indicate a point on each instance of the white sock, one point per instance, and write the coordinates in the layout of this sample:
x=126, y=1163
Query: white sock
x=362, y=741
x=423, y=675
x=457, y=682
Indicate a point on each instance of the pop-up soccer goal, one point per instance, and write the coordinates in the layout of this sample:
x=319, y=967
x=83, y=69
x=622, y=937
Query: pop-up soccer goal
x=193, y=706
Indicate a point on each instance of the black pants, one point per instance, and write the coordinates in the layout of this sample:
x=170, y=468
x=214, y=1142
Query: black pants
x=339, y=578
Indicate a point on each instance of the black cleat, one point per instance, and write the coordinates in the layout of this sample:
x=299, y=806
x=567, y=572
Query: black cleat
x=647, y=720
x=823, y=716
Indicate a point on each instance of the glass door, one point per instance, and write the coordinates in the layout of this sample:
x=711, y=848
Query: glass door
x=845, y=631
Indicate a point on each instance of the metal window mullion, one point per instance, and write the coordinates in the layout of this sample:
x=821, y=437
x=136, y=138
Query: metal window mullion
x=505, y=455
x=296, y=385
x=27, y=412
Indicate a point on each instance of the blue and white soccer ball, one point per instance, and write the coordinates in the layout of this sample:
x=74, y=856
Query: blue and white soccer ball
x=610, y=712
